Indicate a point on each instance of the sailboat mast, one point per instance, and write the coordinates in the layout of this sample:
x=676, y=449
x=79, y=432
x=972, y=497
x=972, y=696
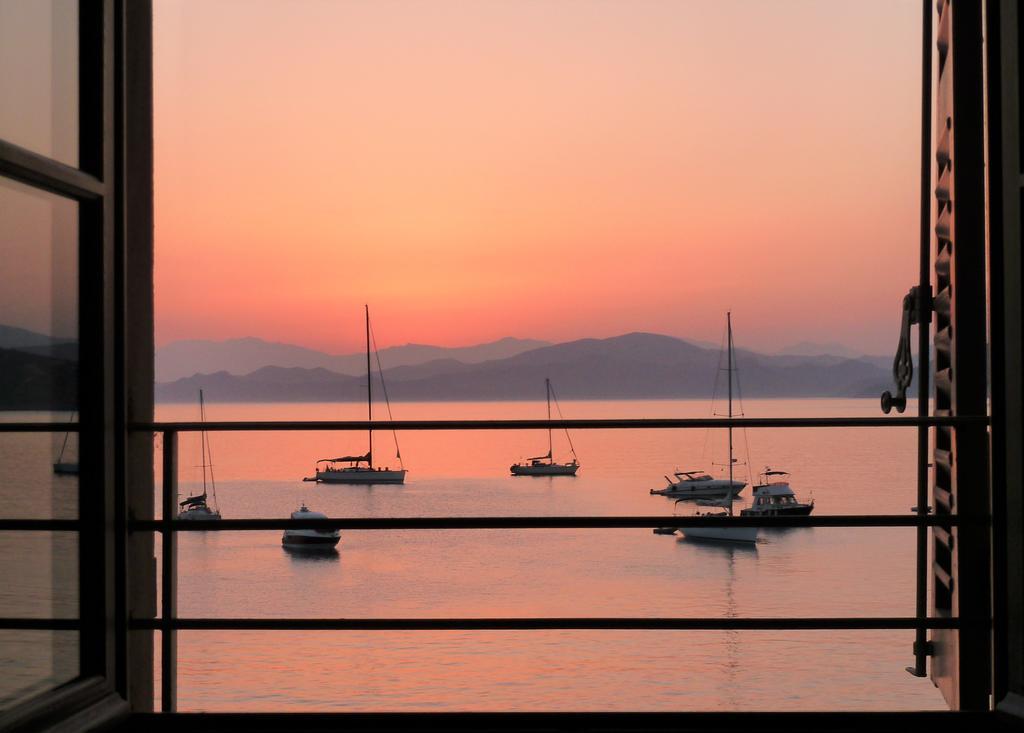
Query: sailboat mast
x=547, y=386
x=369, y=388
x=202, y=438
x=728, y=318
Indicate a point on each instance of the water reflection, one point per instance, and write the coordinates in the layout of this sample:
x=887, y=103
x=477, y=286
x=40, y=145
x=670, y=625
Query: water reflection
x=311, y=553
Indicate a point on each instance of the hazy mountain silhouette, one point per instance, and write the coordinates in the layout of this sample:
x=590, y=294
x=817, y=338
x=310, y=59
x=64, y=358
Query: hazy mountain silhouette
x=37, y=382
x=32, y=342
x=811, y=348
x=632, y=366
x=245, y=355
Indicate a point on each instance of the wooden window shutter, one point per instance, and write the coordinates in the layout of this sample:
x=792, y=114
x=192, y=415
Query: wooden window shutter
x=961, y=666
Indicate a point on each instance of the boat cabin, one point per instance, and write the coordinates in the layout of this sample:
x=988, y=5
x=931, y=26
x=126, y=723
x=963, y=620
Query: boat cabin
x=692, y=476
x=774, y=494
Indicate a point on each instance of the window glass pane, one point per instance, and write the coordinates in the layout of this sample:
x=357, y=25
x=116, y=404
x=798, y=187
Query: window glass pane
x=39, y=76
x=38, y=579
x=39, y=574
x=35, y=661
x=38, y=351
x=38, y=471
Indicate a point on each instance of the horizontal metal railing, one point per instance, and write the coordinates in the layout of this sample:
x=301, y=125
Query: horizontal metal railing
x=540, y=522
x=585, y=424
x=620, y=623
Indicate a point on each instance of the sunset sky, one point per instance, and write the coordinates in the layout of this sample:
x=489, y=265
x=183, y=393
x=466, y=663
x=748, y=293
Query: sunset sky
x=556, y=170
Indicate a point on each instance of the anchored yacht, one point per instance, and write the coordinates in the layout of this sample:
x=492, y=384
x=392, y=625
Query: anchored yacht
x=545, y=465
x=773, y=497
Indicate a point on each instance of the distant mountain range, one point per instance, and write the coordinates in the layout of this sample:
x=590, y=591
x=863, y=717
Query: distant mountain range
x=632, y=366
x=40, y=372
x=37, y=372
x=244, y=355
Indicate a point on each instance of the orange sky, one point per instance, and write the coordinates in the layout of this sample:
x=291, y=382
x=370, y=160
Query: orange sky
x=560, y=169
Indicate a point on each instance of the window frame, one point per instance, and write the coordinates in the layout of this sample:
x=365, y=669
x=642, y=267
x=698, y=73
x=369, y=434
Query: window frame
x=112, y=186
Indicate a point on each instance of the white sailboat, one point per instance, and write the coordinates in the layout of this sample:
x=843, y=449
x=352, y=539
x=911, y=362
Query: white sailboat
x=351, y=469
x=545, y=465
x=202, y=507
x=723, y=504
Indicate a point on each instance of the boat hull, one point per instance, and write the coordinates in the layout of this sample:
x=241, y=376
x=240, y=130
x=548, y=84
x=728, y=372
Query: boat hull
x=309, y=539
x=549, y=469
x=721, y=534
x=801, y=510
x=199, y=515
x=361, y=476
x=702, y=490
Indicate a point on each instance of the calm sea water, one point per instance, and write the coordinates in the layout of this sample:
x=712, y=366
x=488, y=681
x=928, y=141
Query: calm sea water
x=486, y=573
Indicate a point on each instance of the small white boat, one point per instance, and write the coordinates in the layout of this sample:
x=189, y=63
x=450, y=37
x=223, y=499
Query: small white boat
x=545, y=465
x=723, y=533
x=699, y=485
x=310, y=538
x=773, y=497
x=202, y=507
x=355, y=472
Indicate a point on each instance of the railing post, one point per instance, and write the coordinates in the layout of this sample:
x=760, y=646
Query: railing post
x=169, y=578
x=924, y=320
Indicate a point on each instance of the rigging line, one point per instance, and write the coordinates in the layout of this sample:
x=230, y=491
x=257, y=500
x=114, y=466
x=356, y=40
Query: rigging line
x=559, y=408
x=746, y=439
x=384, y=389
x=202, y=440
x=705, y=456
x=209, y=455
x=60, y=458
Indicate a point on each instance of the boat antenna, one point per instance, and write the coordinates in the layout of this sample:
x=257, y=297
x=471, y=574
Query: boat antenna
x=369, y=390
x=558, y=407
x=387, y=402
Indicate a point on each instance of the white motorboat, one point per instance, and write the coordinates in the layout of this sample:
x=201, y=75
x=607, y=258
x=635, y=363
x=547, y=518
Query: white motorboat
x=545, y=465
x=202, y=507
x=335, y=470
x=773, y=497
x=699, y=485
x=310, y=538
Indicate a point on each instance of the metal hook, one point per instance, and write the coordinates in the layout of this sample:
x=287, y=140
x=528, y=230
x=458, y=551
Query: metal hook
x=903, y=364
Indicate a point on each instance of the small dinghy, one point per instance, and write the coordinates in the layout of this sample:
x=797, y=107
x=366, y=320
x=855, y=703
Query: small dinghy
x=310, y=538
